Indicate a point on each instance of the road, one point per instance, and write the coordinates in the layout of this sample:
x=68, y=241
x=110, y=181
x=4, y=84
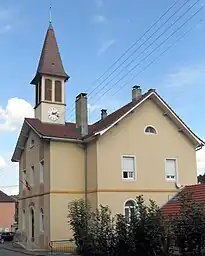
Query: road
x=10, y=253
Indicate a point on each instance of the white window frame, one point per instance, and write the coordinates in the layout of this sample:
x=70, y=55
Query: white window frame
x=24, y=175
x=41, y=171
x=176, y=174
x=41, y=221
x=125, y=207
x=32, y=176
x=135, y=167
x=150, y=133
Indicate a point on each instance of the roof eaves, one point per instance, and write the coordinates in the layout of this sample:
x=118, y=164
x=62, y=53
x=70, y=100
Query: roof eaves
x=18, y=149
x=62, y=139
x=200, y=141
x=44, y=136
x=101, y=132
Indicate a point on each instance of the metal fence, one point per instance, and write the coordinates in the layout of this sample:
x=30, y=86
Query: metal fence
x=65, y=246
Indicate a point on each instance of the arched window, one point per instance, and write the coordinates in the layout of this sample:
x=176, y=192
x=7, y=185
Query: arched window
x=41, y=220
x=48, y=89
x=129, y=209
x=58, y=91
x=150, y=130
x=32, y=223
x=23, y=219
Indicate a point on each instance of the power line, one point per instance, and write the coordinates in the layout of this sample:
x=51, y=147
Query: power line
x=130, y=48
x=164, y=32
x=72, y=110
x=149, y=64
x=150, y=53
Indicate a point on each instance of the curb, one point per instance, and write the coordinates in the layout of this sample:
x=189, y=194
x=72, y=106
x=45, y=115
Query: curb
x=21, y=251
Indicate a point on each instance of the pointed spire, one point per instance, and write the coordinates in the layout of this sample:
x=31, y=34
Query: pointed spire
x=50, y=61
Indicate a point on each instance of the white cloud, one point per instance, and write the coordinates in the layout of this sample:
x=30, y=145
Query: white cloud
x=186, y=76
x=99, y=3
x=5, y=29
x=93, y=107
x=3, y=163
x=5, y=14
x=99, y=19
x=105, y=46
x=12, y=116
x=9, y=174
x=201, y=161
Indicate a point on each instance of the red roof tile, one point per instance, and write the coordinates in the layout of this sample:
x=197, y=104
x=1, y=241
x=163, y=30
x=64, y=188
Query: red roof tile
x=173, y=206
x=69, y=129
x=4, y=198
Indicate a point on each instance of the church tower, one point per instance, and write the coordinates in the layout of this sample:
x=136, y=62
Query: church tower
x=49, y=82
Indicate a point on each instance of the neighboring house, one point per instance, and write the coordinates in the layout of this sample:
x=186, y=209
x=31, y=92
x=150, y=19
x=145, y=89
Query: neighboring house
x=16, y=199
x=7, y=212
x=197, y=193
x=141, y=148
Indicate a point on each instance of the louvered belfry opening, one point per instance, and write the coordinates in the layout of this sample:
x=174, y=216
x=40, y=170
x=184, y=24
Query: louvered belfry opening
x=48, y=89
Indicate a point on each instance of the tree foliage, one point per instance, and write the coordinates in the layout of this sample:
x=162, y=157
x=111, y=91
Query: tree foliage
x=145, y=233
x=201, y=178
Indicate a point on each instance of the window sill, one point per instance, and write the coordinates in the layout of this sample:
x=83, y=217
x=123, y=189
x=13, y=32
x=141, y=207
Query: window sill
x=170, y=180
x=129, y=179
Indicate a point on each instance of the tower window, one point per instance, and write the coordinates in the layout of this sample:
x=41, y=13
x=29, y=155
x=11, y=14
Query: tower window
x=48, y=89
x=39, y=91
x=58, y=91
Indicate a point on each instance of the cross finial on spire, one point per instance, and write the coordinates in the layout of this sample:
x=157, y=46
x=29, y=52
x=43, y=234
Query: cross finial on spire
x=50, y=14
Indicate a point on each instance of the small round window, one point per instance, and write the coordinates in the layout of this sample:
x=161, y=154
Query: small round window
x=150, y=130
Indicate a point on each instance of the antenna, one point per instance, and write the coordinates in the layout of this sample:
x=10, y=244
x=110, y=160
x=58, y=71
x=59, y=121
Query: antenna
x=50, y=14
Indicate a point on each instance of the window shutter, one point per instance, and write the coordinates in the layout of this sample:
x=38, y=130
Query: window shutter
x=48, y=89
x=58, y=91
x=128, y=163
x=170, y=167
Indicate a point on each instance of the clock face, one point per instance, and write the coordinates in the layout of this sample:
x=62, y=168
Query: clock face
x=53, y=114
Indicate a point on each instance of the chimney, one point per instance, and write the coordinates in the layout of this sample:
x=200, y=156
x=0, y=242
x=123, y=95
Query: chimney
x=136, y=92
x=103, y=113
x=81, y=111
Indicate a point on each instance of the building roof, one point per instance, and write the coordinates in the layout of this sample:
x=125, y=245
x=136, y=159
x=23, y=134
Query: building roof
x=4, y=198
x=70, y=132
x=50, y=62
x=197, y=193
x=69, y=129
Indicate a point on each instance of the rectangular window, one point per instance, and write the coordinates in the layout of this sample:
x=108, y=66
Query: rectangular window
x=24, y=179
x=32, y=176
x=41, y=171
x=171, y=169
x=128, y=167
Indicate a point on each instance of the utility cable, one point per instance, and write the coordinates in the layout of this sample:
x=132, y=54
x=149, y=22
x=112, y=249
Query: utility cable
x=166, y=39
x=138, y=40
x=133, y=60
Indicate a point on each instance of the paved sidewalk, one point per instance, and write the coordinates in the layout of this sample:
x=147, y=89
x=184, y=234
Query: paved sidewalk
x=9, y=247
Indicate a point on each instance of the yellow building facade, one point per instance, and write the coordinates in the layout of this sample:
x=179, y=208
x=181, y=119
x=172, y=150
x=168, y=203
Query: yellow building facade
x=141, y=148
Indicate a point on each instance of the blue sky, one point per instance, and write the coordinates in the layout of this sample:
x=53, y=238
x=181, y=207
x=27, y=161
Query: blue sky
x=92, y=34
